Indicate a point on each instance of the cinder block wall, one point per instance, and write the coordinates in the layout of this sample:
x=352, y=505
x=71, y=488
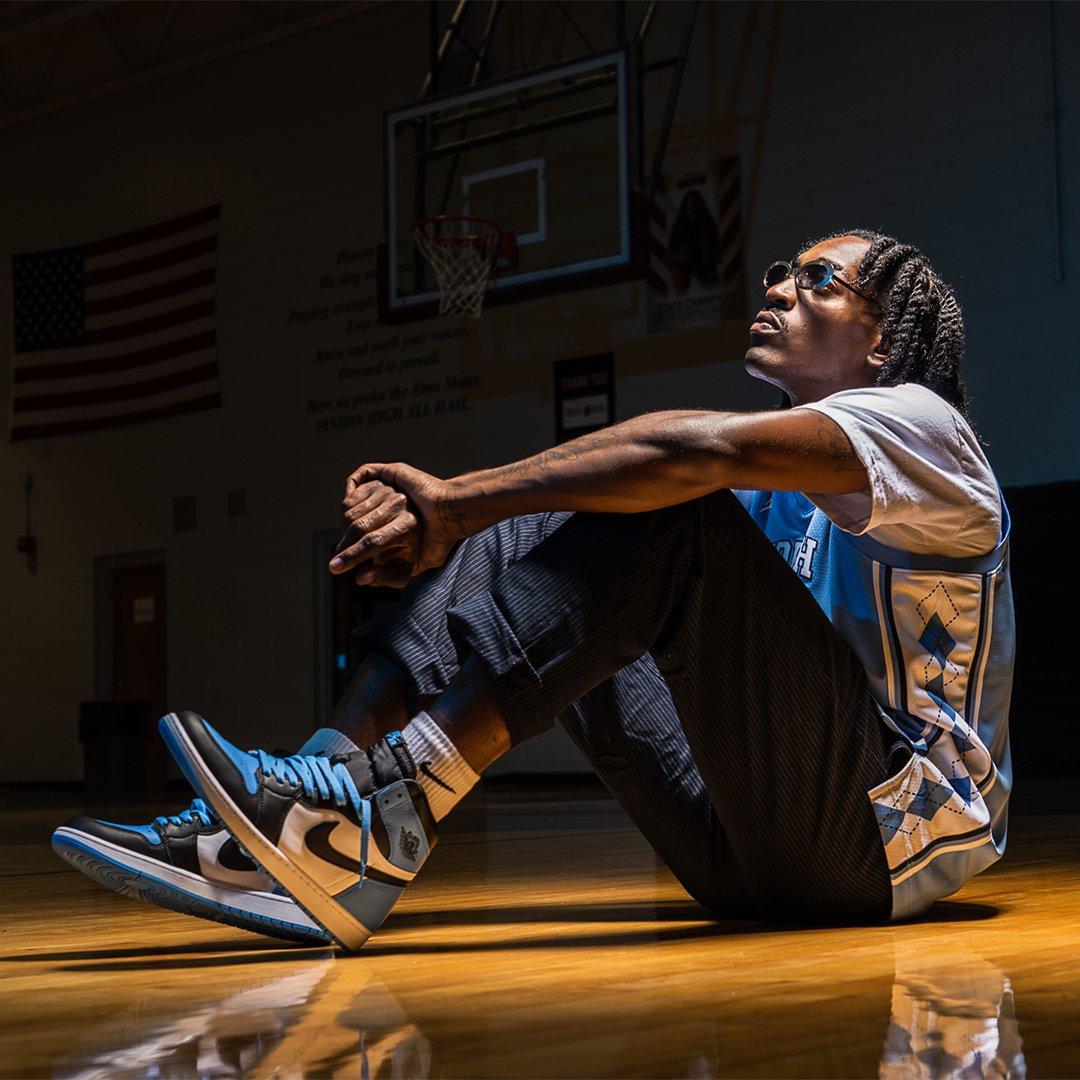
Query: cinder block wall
x=929, y=120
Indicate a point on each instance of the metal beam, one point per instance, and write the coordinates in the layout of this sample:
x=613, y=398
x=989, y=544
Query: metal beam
x=452, y=31
x=520, y=130
x=297, y=26
x=163, y=33
x=573, y=22
x=646, y=22
x=527, y=101
x=54, y=19
x=672, y=101
x=114, y=41
x=474, y=78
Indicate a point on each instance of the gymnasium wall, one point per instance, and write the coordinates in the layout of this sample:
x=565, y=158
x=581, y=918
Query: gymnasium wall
x=943, y=140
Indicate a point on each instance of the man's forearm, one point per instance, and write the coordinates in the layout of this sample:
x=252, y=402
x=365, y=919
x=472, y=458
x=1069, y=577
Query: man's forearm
x=655, y=460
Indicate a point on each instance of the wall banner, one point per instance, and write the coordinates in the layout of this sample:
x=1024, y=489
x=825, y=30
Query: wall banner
x=695, y=273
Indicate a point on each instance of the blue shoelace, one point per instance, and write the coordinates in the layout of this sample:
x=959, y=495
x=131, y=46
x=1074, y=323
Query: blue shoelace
x=329, y=780
x=198, y=809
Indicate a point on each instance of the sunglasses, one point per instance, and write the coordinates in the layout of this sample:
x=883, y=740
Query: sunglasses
x=815, y=274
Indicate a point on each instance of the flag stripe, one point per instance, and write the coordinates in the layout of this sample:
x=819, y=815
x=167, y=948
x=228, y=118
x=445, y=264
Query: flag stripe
x=46, y=359
x=116, y=393
x=151, y=262
x=124, y=377
x=117, y=408
x=135, y=318
x=155, y=277
x=137, y=254
x=152, y=232
x=136, y=315
x=119, y=362
x=148, y=326
x=69, y=427
x=150, y=293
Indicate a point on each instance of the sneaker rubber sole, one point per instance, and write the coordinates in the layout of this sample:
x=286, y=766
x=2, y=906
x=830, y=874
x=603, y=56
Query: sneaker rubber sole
x=133, y=875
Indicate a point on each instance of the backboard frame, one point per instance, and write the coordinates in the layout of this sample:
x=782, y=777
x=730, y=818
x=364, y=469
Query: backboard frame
x=627, y=263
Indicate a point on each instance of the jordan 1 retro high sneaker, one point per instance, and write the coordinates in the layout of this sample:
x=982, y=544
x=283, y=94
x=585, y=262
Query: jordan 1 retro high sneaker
x=185, y=862
x=343, y=833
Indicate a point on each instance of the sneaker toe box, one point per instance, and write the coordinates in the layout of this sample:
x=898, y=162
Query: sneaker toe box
x=236, y=769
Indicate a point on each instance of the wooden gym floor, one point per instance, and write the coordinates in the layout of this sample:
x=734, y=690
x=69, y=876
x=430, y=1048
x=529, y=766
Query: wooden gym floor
x=542, y=939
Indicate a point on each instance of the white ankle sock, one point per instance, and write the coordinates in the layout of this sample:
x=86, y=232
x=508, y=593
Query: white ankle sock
x=441, y=771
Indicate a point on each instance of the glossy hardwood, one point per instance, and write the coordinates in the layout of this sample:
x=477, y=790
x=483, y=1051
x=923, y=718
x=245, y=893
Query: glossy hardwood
x=542, y=939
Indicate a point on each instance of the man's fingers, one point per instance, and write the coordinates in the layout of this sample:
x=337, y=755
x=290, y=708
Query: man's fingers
x=358, y=491
x=372, y=545
x=364, y=474
x=384, y=513
x=362, y=507
x=383, y=498
x=370, y=489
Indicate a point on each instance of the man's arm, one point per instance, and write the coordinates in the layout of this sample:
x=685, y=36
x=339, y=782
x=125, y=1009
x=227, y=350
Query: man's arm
x=660, y=459
x=655, y=460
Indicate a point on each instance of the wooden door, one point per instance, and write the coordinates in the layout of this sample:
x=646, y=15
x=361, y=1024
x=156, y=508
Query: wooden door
x=139, y=651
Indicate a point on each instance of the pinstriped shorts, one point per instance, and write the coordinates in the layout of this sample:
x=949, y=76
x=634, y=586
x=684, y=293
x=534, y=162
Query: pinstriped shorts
x=696, y=674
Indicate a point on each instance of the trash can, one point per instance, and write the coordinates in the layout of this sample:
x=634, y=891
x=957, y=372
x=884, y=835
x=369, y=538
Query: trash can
x=114, y=737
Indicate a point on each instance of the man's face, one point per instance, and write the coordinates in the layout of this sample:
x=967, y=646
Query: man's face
x=814, y=342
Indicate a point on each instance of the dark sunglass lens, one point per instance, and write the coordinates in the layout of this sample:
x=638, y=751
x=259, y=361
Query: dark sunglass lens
x=814, y=274
x=776, y=273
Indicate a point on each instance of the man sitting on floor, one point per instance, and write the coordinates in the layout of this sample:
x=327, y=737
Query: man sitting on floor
x=784, y=640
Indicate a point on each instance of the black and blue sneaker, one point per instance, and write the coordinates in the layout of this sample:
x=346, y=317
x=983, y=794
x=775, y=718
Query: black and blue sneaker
x=343, y=833
x=185, y=862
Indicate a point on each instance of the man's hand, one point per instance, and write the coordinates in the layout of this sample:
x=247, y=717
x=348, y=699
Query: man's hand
x=382, y=536
x=397, y=520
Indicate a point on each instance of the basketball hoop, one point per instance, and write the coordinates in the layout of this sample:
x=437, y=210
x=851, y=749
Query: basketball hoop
x=462, y=251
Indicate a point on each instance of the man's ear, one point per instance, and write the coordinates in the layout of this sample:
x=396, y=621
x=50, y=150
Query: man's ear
x=880, y=354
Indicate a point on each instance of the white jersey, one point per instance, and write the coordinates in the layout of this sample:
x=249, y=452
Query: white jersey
x=914, y=575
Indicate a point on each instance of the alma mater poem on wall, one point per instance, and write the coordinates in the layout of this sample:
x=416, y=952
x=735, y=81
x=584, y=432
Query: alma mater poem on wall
x=367, y=375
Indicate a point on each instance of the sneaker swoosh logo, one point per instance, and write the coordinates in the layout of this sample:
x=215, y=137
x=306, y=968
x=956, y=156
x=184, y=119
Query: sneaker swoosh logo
x=232, y=858
x=317, y=841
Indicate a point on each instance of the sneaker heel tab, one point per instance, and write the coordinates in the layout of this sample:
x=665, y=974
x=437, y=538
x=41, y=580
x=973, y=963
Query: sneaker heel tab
x=423, y=810
x=410, y=827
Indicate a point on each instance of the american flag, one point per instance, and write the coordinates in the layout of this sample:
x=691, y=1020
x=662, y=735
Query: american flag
x=116, y=331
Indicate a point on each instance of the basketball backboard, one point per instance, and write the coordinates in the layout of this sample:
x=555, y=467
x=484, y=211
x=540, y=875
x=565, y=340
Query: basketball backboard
x=552, y=155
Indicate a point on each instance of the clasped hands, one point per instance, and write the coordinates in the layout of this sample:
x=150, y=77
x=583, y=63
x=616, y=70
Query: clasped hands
x=398, y=524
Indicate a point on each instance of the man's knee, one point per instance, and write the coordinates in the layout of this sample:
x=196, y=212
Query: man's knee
x=722, y=895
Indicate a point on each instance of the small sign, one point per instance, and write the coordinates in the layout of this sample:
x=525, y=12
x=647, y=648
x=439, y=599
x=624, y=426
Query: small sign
x=144, y=609
x=584, y=395
x=585, y=412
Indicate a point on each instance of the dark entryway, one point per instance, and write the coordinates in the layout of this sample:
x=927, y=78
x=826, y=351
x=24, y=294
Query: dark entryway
x=132, y=644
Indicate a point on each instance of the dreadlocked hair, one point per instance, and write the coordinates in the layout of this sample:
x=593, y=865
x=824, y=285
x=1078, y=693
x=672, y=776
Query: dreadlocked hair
x=922, y=327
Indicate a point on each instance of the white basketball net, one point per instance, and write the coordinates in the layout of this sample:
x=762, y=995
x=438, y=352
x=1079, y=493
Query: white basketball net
x=461, y=251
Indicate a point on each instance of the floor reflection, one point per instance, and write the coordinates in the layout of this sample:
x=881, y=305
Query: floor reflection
x=318, y=1021
x=952, y=1018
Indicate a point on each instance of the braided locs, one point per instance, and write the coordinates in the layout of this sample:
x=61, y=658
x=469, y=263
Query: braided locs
x=921, y=325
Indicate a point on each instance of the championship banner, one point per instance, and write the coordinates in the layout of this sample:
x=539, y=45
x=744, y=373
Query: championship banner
x=695, y=273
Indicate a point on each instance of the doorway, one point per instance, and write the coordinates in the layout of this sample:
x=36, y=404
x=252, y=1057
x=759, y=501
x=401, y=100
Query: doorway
x=340, y=606
x=131, y=663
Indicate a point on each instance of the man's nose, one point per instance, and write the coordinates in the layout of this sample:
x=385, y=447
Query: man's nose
x=781, y=295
